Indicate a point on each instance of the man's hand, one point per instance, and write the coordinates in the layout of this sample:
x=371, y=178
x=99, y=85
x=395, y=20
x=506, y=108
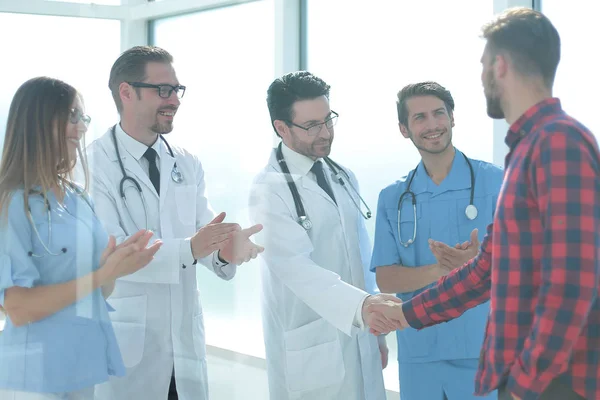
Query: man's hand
x=239, y=248
x=383, y=350
x=450, y=258
x=378, y=323
x=212, y=237
x=390, y=311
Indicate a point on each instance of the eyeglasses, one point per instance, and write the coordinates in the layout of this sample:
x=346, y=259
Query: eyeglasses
x=164, y=90
x=75, y=116
x=315, y=129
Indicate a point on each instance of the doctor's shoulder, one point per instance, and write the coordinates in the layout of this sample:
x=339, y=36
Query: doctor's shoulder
x=391, y=193
x=489, y=174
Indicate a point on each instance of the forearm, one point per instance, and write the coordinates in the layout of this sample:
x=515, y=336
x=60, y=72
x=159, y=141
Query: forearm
x=25, y=305
x=108, y=288
x=400, y=279
x=455, y=293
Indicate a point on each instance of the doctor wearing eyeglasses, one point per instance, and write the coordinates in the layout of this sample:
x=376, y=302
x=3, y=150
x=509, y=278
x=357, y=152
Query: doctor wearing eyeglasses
x=450, y=198
x=316, y=285
x=140, y=181
x=56, y=261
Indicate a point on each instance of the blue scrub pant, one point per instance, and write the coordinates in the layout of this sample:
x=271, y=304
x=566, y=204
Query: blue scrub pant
x=440, y=380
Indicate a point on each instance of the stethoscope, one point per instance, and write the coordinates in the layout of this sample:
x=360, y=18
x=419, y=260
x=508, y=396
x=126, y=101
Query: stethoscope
x=337, y=171
x=176, y=176
x=49, y=210
x=470, y=211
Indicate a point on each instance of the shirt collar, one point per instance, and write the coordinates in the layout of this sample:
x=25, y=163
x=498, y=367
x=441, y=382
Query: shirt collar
x=459, y=177
x=133, y=147
x=298, y=164
x=531, y=118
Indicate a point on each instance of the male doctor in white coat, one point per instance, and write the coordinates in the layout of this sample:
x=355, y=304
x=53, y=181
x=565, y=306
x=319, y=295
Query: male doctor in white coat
x=158, y=318
x=314, y=297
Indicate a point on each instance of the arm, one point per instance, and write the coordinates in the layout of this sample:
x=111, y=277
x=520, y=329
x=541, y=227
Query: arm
x=392, y=276
x=22, y=301
x=566, y=185
x=287, y=255
x=455, y=293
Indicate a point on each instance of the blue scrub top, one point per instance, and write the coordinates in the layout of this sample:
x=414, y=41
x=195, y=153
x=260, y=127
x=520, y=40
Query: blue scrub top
x=76, y=347
x=440, y=216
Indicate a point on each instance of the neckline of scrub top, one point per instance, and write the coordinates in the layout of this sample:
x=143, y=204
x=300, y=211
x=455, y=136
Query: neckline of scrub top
x=458, y=178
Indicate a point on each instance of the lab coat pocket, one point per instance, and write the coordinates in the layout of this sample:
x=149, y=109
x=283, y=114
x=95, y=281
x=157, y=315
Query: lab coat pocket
x=185, y=198
x=313, y=357
x=129, y=324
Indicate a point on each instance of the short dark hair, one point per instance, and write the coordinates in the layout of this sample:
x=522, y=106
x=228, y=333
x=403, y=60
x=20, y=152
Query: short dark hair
x=290, y=88
x=428, y=88
x=530, y=39
x=131, y=67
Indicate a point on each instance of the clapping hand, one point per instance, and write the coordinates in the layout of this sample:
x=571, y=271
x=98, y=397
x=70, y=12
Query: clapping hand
x=450, y=258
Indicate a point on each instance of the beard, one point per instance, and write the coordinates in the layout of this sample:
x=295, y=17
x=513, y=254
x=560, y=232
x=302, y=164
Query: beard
x=492, y=99
x=162, y=129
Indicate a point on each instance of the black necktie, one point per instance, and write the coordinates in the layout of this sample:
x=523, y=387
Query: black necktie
x=150, y=155
x=317, y=169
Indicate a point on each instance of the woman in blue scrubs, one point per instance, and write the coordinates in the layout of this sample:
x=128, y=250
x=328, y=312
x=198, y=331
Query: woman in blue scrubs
x=56, y=261
x=450, y=198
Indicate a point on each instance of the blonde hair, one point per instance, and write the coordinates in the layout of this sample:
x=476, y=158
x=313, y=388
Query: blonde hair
x=35, y=145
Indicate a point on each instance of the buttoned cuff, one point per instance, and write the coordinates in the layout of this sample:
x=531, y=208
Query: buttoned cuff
x=186, y=258
x=358, y=316
x=223, y=269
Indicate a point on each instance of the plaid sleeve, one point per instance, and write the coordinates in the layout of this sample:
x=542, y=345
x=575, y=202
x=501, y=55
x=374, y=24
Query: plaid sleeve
x=565, y=182
x=455, y=293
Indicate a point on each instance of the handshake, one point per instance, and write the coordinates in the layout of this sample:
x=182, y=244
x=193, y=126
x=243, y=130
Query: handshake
x=383, y=314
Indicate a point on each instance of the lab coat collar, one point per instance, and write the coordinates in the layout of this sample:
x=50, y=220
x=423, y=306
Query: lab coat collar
x=133, y=147
x=297, y=163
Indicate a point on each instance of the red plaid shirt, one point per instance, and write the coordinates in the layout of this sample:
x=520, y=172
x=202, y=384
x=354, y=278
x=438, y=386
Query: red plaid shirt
x=539, y=264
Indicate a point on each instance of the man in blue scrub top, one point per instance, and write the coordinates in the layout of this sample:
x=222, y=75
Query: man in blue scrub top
x=439, y=362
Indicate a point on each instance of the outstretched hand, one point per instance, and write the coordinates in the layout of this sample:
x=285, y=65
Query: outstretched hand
x=239, y=248
x=450, y=258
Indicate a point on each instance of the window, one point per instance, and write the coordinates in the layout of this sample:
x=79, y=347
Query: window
x=575, y=84
x=69, y=49
x=225, y=58
x=367, y=54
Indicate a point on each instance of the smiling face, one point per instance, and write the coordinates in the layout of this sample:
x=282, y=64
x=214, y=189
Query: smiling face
x=429, y=124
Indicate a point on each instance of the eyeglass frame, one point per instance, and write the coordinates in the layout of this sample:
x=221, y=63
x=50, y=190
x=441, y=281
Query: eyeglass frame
x=75, y=115
x=332, y=117
x=175, y=88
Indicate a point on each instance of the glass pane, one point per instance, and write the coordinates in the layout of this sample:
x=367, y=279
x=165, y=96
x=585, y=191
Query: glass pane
x=367, y=54
x=223, y=118
x=575, y=83
x=70, y=49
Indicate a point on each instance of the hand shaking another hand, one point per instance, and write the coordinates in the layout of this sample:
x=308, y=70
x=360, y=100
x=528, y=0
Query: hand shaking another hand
x=383, y=314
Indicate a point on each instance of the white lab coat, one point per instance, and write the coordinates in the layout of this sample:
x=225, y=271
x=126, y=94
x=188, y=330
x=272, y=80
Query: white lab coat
x=312, y=288
x=158, y=319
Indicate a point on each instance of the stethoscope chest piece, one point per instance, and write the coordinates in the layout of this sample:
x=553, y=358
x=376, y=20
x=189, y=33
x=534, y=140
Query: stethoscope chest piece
x=305, y=222
x=471, y=212
x=176, y=175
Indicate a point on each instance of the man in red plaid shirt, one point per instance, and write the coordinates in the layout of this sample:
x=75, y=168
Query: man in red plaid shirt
x=539, y=263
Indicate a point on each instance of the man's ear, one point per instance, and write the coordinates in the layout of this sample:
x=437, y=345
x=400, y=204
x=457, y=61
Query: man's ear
x=281, y=128
x=126, y=92
x=404, y=130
